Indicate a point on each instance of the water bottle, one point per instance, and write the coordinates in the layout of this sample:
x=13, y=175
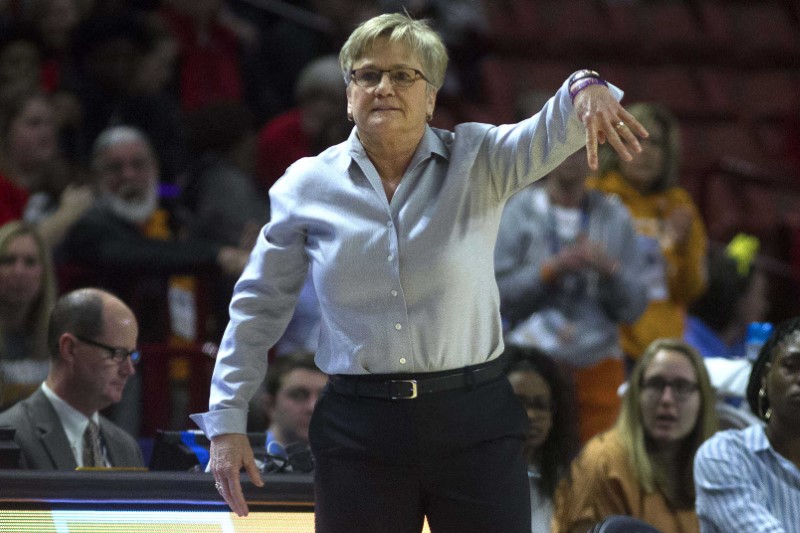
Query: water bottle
x=757, y=335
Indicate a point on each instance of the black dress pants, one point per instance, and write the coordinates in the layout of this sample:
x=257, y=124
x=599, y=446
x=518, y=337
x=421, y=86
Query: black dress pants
x=455, y=457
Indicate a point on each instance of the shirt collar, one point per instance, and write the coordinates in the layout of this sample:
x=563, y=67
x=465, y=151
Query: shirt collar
x=430, y=144
x=73, y=421
x=759, y=441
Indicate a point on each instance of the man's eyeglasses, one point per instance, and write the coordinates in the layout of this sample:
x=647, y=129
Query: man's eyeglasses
x=115, y=353
x=400, y=77
x=682, y=389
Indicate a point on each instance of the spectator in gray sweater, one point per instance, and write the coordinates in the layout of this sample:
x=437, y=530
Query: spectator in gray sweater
x=566, y=263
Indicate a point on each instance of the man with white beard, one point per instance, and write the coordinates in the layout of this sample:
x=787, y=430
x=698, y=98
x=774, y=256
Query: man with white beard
x=124, y=243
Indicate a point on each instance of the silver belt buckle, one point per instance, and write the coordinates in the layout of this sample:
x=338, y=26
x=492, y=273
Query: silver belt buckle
x=398, y=394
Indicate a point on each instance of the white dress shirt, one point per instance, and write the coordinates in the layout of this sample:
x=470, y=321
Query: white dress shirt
x=74, y=423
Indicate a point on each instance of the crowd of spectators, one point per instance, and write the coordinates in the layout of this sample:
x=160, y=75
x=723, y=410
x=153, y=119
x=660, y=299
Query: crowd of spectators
x=176, y=75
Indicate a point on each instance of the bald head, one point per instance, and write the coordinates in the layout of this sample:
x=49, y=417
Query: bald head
x=88, y=330
x=86, y=313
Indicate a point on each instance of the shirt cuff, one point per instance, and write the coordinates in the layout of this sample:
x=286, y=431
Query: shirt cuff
x=221, y=421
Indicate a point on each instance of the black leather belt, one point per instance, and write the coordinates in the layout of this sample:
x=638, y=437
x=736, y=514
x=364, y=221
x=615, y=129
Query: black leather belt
x=408, y=386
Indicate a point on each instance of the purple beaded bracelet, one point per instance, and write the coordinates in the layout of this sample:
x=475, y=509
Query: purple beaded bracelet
x=583, y=74
x=580, y=85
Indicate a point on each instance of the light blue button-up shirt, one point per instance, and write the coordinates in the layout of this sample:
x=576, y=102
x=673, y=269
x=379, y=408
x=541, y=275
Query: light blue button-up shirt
x=745, y=486
x=403, y=286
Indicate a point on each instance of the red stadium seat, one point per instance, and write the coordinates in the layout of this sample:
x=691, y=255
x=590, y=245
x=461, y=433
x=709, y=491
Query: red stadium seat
x=718, y=32
x=671, y=31
x=675, y=87
x=505, y=79
x=705, y=143
x=514, y=25
x=719, y=88
x=574, y=27
x=770, y=93
x=623, y=31
x=732, y=139
x=764, y=32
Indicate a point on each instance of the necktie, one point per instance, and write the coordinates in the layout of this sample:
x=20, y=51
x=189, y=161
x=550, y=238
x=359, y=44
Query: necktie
x=92, y=456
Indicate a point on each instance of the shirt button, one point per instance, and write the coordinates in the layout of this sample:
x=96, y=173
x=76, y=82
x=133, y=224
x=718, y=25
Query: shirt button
x=398, y=327
x=390, y=257
x=389, y=224
x=402, y=360
x=394, y=292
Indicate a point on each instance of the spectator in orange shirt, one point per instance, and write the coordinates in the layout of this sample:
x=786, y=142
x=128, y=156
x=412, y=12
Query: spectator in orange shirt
x=670, y=229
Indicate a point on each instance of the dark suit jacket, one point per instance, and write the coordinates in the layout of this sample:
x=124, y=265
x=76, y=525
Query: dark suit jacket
x=44, y=444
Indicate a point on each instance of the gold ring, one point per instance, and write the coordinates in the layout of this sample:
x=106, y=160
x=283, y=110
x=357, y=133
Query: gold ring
x=619, y=125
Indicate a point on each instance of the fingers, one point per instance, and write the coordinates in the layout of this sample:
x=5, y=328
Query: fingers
x=632, y=124
x=615, y=133
x=228, y=456
x=606, y=121
x=232, y=492
x=254, y=473
x=229, y=487
x=623, y=132
x=591, y=148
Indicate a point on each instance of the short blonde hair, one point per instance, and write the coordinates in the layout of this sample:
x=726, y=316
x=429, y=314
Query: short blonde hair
x=416, y=35
x=631, y=430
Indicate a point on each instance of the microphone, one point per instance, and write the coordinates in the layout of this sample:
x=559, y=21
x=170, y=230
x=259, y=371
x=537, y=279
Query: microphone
x=295, y=457
x=275, y=448
x=300, y=457
x=276, y=459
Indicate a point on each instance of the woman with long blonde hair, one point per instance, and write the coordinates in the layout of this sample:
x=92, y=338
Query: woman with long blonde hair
x=27, y=293
x=643, y=466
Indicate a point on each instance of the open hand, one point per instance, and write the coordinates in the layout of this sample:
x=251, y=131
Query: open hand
x=229, y=454
x=606, y=120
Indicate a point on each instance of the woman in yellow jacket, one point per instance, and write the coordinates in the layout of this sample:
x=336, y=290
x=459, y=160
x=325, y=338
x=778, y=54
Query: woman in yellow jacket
x=668, y=225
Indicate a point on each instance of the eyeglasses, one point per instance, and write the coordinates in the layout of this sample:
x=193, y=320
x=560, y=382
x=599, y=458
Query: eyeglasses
x=400, y=77
x=682, y=389
x=116, y=354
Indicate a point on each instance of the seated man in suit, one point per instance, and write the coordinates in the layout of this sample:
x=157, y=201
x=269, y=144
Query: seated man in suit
x=92, y=341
